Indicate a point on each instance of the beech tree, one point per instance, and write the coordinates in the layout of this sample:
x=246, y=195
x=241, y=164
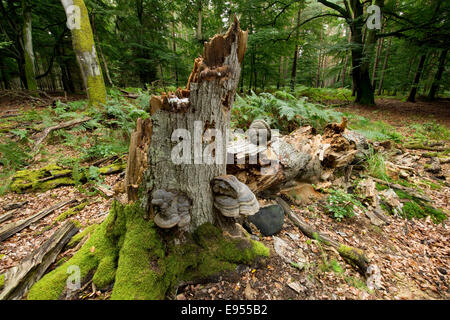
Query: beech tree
x=84, y=48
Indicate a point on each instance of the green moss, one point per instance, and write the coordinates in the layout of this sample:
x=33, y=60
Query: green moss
x=38, y=180
x=145, y=262
x=352, y=254
x=72, y=211
x=80, y=236
x=101, y=246
x=113, y=168
x=25, y=180
x=417, y=209
x=2, y=281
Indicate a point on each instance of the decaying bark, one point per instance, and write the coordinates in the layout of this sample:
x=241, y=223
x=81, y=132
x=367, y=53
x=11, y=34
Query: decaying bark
x=303, y=155
x=204, y=104
x=19, y=279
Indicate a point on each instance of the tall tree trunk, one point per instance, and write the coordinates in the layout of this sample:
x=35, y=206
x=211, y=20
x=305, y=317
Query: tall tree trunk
x=344, y=69
x=99, y=45
x=413, y=91
x=5, y=79
x=377, y=60
x=295, y=58
x=385, y=63
x=84, y=48
x=31, y=83
x=435, y=86
x=319, y=60
x=174, y=48
x=198, y=32
x=360, y=67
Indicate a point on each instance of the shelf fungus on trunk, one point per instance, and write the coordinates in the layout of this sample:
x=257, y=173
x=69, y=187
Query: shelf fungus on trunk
x=259, y=132
x=174, y=209
x=233, y=198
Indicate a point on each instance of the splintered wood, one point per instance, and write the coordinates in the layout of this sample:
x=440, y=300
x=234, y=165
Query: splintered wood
x=302, y=155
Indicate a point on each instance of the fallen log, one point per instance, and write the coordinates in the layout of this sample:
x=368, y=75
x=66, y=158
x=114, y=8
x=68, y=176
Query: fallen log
x=16, y=205
x=303, y=155
x=19, y=279
x=63, y=125
x=410, y=191
x=7, y=216
x=53, y=176
x=352, y=255
x=14, y=227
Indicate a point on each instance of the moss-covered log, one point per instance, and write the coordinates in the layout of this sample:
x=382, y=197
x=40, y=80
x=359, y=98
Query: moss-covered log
x=142, y=261
x=52, y=176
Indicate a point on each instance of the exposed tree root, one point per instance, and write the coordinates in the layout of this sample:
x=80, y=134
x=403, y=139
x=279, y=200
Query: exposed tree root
x=142, y=261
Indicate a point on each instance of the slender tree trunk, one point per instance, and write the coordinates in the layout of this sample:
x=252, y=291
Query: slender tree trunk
x=435, y=86
x=413, y=91
x=99, y=45
x=319, y=60
x=4, y=74
x=198, y=33
x=84, y=48
x=295, y=58
x=385, y=63
x=344, y=69
x=31, y=83
x=174, y=48
x=377, y=60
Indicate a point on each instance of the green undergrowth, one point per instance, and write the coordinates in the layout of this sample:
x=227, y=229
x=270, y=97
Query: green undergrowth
x=106, y=134
x=341, y=204
x=286, y=112
x=418, y=209
x=144, y=262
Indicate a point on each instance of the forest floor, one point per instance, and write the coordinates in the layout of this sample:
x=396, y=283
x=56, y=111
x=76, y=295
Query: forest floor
x=412, y=255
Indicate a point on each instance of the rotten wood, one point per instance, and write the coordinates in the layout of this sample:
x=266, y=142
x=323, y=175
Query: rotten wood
x=16, y=205
x=14, y=227
x=354, y=256
x=303, y=155
x=19, y=279
x=7, y=216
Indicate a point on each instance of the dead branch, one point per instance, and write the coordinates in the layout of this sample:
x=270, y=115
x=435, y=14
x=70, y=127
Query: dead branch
x=63, y=125
x=354, y=256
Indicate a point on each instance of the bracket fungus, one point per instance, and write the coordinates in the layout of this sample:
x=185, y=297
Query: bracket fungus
x=232, y=197
x=174, y=209
x=259, y=132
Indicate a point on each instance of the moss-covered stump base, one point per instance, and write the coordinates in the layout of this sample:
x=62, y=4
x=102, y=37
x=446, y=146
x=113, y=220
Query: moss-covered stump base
x=141, y=261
